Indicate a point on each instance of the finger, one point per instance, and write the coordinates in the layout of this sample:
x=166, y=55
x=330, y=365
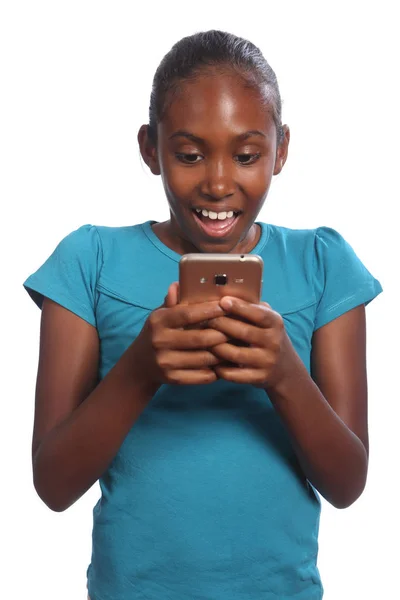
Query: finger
x=245, y=357
x=240, y=374
x=191, y=377
x=169, y=360
x=238, y=330
x=183, y=315
x=193, y=339
x=259, y=314
x=171, y=299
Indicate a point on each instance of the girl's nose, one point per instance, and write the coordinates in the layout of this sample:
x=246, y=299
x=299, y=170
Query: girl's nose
x=218, y=181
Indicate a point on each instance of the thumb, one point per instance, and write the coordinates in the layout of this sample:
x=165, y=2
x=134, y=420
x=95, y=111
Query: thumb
x=172, y=297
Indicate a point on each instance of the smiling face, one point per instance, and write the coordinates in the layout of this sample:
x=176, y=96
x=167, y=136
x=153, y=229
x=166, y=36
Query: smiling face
x=216, y=152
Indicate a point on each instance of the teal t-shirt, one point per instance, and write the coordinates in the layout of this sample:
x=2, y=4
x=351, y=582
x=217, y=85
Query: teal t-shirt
x=205, y=499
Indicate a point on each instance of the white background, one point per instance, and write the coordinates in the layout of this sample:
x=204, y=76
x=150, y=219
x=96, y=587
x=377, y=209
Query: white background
x=76, y=79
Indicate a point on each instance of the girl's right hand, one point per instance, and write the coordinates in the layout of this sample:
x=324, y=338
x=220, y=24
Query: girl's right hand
x=168, y=351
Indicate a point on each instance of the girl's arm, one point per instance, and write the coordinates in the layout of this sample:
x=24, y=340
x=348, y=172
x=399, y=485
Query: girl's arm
x=80, y=424
x=326, y=413
x=327, y=419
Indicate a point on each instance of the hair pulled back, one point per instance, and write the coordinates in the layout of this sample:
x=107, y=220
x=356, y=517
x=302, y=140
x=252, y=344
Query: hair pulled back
x=218, y=52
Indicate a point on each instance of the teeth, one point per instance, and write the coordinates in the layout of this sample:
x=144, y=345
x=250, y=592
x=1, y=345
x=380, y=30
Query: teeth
x=214, y=215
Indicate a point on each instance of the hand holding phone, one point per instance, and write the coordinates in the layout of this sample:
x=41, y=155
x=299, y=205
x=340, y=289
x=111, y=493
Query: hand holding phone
x=170, y=349
x=207, y=277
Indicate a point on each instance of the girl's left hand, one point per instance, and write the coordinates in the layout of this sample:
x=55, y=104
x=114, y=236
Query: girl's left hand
x=264, y=361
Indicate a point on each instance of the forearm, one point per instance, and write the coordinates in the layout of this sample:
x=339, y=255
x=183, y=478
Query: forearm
x=332, y=457
x=72, y=457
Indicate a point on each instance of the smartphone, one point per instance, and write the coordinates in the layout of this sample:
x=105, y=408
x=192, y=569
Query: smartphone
x=204, y=277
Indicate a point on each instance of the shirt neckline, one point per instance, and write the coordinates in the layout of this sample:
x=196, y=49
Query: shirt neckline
x=155, y=240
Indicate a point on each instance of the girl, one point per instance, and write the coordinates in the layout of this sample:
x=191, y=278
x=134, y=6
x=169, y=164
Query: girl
x=210, y=455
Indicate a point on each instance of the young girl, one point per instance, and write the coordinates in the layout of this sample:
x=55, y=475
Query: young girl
x=210, y=455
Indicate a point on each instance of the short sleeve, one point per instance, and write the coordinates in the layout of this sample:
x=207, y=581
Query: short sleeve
x=342, y=282
x=69, y=276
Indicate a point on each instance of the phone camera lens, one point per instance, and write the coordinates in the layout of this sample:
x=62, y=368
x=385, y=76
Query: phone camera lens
x=220, y=279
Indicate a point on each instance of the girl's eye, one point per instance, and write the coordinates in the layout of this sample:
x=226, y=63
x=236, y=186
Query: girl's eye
x=248, y=159
x=243, y=159
x=188, y=158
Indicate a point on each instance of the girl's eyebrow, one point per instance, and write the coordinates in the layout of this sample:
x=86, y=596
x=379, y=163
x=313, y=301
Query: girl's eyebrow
x=195, y=138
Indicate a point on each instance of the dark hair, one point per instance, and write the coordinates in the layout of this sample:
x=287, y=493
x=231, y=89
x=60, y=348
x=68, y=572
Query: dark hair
x=218, y=51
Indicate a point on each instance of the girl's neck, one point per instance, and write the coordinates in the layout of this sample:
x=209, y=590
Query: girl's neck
x=180, y=245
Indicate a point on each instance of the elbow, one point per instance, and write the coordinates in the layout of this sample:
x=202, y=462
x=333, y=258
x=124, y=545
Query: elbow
x=345, y=485
x=55, y=506
x=344, y=502
x=48, y=486
x=352, y=482
x=347, y=495
x=49, y=495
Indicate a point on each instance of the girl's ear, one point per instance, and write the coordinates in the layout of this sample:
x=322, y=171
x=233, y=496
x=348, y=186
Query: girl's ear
x=148, y=150
x=282, y=151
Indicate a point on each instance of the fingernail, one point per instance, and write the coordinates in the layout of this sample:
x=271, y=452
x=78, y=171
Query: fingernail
x=226, y=303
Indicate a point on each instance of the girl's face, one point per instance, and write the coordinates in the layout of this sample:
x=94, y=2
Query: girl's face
x=216, y=153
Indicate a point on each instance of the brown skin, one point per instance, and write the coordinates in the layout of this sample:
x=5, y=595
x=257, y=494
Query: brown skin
x=327, y=417
x=326, y=414
x=227, y=174
x=73, y=412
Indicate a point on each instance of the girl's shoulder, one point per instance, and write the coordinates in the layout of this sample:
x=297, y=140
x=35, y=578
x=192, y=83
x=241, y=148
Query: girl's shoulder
x=302, y=235
x=307, y=244
x=315, y=266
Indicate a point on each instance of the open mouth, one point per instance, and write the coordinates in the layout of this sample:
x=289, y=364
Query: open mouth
x=216, y=224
